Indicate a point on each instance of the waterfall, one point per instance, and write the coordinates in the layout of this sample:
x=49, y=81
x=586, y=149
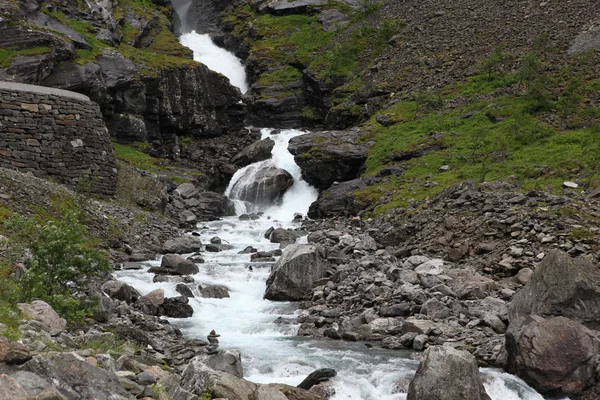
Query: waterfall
x=207, y=52
x=296, y=199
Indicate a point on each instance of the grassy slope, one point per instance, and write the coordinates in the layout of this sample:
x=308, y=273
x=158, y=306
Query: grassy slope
x=491, y=127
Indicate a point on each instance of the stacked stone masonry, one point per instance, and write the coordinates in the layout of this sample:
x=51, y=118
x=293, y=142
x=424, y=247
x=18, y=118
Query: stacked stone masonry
x=56, y=135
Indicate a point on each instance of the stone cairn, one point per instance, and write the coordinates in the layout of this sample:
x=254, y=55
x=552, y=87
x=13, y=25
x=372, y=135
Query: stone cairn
x=213, y=347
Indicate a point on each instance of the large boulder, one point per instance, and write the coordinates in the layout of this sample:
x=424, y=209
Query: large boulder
x=183, y=244
x=198, y=378
x=215, y=292
x=41, y=311
x=339, y=200
x=13, y=352
x=174, y=264
x=447, y=374
x=258, y=151
x=328, y=157
x=229, y=361
x=77, y=379
x=556, y=354
x=296, y=273
x=262, y=184
x=561, y=286
x=120, y=291
x=176, y=307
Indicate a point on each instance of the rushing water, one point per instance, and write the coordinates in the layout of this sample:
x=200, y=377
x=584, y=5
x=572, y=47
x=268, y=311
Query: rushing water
x=271, y=351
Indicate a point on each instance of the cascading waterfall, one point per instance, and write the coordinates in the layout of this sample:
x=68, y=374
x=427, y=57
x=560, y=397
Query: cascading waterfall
x=271, y=352
x=206, y=52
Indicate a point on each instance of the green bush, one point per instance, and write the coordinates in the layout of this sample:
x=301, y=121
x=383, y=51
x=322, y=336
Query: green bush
x=60, y=262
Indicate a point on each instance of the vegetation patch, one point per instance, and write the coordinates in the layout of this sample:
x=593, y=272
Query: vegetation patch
x=532, y=126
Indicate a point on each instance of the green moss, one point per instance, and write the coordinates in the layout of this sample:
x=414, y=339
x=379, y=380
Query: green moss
x=282, y=76
x=8, y=55
x=582, y=233
x=133, y=156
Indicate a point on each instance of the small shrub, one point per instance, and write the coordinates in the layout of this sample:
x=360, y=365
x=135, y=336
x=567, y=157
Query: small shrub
x=59, y=261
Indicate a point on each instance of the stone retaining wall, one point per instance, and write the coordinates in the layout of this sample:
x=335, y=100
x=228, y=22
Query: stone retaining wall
x=55, y=134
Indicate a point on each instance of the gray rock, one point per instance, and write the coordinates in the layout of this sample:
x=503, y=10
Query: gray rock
x=280, y=235
x=187, y=190
x=296, y=273
x=215, y=292
x=176, y=265
x=467, y=284
x=229, y=361
x=176, y=307
x=419, y=342
x=262, y=184
x=13, y=352
x=184, y=290
x=556, y=354
x=77, y=379
x=447, y=374
x=144, y=378
x=120, y=291
x=32, y=383
x=10, y=389
x=524, y=275
x=183, y=244
x=258, y=151
x=333, y=156
x=338, y=200
x=435, y=309
x=561, y=286
x=41, y=311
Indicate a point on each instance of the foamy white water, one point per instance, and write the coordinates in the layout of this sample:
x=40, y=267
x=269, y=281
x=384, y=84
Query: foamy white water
x=216, y=58
x=272, y=352
x=299, y=197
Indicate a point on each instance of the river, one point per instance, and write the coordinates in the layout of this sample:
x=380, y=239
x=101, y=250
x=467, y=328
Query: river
x=272, y=352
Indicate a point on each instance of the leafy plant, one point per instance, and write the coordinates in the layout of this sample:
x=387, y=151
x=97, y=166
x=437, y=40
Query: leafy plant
x=59, y=263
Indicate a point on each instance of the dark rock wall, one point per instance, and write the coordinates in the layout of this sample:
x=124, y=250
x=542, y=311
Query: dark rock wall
x=58, y=137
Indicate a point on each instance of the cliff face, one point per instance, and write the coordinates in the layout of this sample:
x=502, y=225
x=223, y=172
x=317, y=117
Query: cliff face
x=337, y=63
x=124, y=56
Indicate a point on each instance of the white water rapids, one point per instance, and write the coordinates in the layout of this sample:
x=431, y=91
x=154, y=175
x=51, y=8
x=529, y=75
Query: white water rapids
x=272, y=352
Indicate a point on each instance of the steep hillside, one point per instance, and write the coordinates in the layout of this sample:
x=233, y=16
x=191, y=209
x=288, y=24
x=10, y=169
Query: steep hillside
x=125, y=56
x=337, y=62
x=441, y=92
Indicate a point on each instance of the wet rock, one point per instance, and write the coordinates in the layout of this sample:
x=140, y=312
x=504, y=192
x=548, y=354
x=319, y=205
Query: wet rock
x=42, y=312
x=215, y=292
x=316, y=377
x=338, y=200
x=296, y=273
x=184, y=290
x=328, y=157
x=13, y=352
x=281, y=235
x=176, y=307
x=447, y=374
x=556, y=354
x=262, y=184
x=182, y=245
x=563, y=286
x=258, y=151
x=150, y=303
x=173, y=264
